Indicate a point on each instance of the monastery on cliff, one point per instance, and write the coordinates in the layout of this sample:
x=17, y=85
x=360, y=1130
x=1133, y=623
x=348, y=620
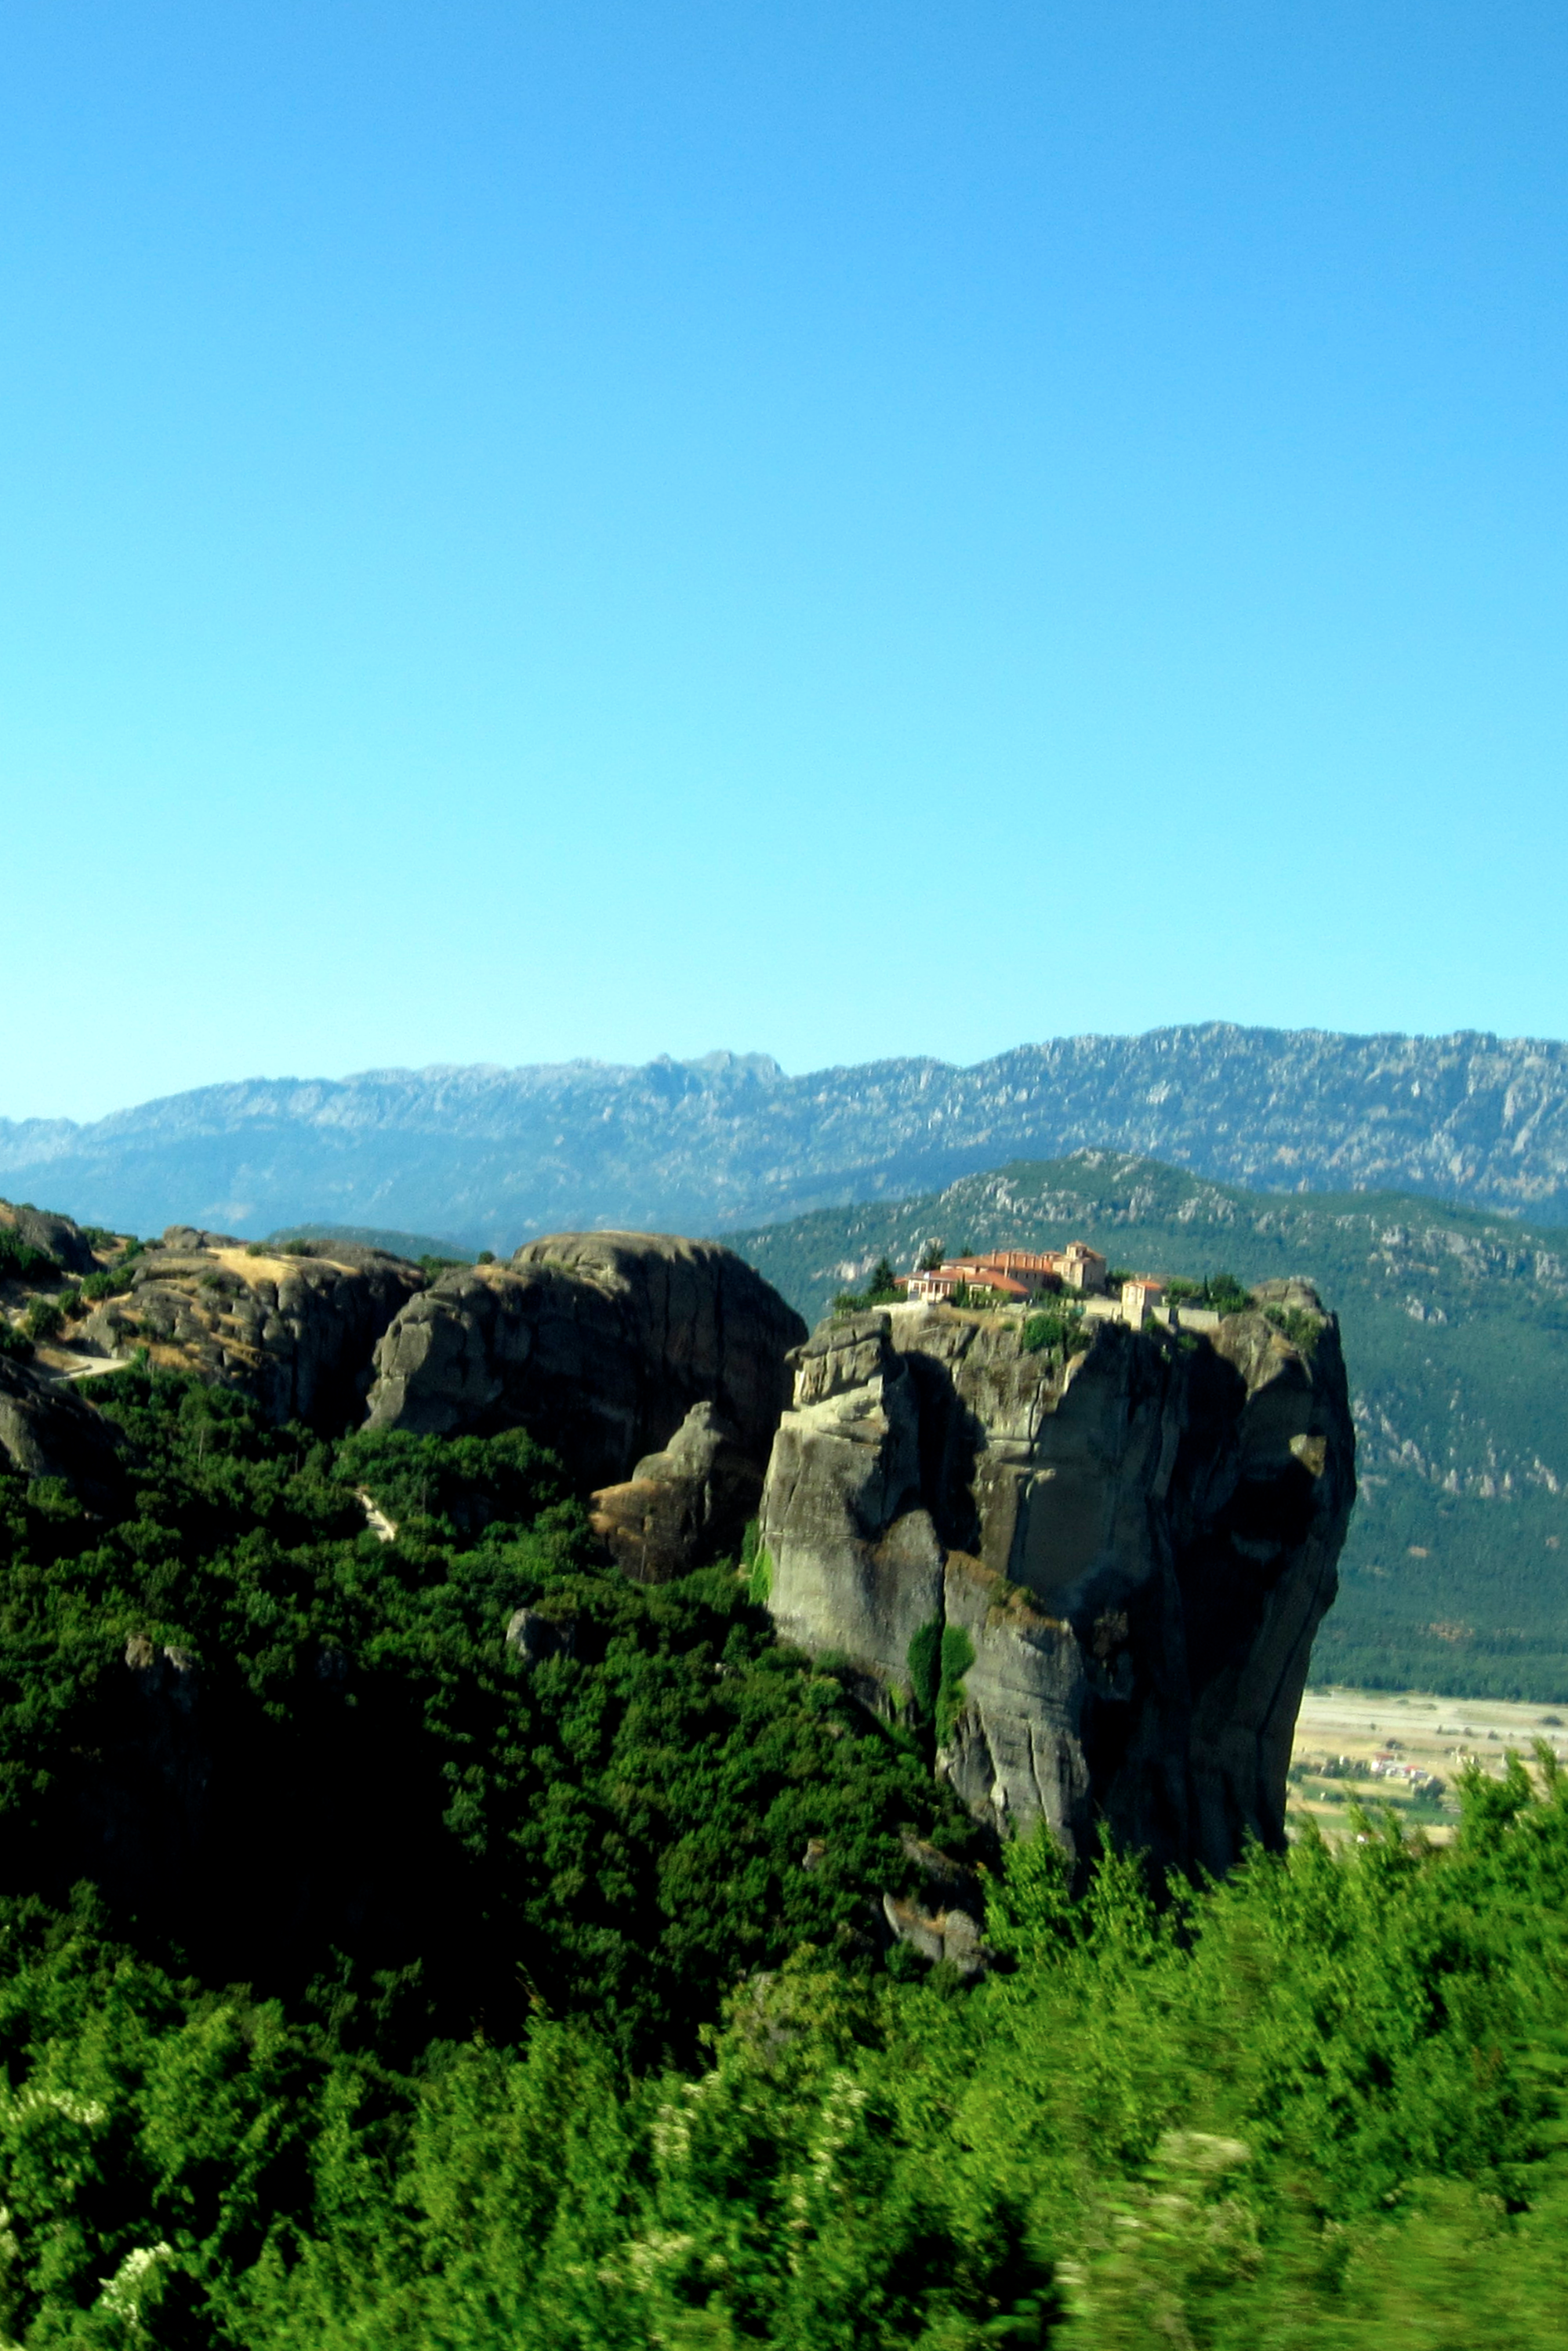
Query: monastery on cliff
x=1018, y=1275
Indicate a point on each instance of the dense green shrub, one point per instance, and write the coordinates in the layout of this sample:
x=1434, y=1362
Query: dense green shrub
x=924, y=1661
x=20, y=1261
x=98, y=1237
x=574, y=2032
x=1294, y=1324
x=957, y=1655
x=1055, y=1326
x=44, y=1318
x=614, y=1829
x=1317, y=2106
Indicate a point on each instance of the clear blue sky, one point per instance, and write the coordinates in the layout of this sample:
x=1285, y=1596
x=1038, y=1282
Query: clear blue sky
x=840, y=530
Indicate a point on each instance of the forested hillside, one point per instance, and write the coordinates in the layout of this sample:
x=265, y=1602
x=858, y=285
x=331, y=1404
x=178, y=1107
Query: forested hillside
x=1455, y=1327
x=440, y=1940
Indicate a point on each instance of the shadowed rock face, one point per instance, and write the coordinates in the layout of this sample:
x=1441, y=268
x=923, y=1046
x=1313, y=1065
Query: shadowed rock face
x=57, y=1236
x=46, y=1432
x=597, y=1343
x=295, y=1332
x=1122, y=1556
x=683, y=1506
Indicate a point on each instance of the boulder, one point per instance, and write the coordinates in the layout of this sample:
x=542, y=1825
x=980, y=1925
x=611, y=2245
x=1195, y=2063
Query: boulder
x=598, y=1344
x=684, y=1506
x=1098, y=1576
x=45, y=1431
x=941, y=1917
x=533, y=1634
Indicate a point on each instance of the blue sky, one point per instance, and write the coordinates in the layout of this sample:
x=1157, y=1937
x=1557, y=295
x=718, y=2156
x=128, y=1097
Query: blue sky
x=610, y=529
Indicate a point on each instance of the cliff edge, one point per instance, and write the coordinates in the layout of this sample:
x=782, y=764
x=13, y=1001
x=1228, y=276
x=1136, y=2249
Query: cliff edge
x=599, y=1344
x=1097, y=1573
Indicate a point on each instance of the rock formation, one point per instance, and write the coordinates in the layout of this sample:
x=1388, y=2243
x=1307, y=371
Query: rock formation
x=683, y=1505
x=57, y=1236
x=295, y=1333
x=598, y=1344
x=1099, y=1574
x=48, y=1432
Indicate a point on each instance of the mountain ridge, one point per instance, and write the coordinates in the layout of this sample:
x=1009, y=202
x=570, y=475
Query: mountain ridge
x=488, y=1154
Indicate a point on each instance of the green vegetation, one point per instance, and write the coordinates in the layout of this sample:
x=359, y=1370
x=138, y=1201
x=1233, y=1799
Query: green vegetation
x=1319, y=2106
x=925, y=1660
x=1455, y=1328
x=957, y=1656
x=756, y=1564
x=14, y=1344
x=1224, y=1293
x=613, y=1831
x=369, y=1978
x=1294, y=1324
x=98, y=1237
x=881, y=1290
x=44, y=1318
x=20, y=1261
x=113, y=1282
x=939, y=1657
x=1219, y=1292
x=1055, y=1327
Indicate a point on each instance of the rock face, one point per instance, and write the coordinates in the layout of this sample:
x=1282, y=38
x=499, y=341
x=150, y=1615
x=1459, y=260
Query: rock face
x=297, y=1334
x=1100, y=1574
x=941, y=1920
x=683, y=1506
x=598, y=1344
x=57, y=1236
x=46, y=1432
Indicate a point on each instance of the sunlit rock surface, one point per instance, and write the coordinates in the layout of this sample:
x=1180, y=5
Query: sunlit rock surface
x=1117, y=1559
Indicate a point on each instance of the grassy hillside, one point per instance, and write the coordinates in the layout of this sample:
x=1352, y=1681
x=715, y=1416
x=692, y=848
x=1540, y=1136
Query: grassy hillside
x=1456, y=1331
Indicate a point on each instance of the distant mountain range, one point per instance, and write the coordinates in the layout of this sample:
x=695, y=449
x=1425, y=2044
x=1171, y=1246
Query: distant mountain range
x=486, y=1157
x=1455, y=1575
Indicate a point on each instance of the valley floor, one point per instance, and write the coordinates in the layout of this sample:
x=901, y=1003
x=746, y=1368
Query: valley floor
x=1339, y=1726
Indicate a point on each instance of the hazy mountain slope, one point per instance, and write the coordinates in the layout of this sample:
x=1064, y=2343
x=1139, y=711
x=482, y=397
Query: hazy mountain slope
x=491, y=1155
x=1455, y=1333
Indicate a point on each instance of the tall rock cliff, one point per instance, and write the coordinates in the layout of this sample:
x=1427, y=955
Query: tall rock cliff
x=1100, y=1573
x=599, y=1344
